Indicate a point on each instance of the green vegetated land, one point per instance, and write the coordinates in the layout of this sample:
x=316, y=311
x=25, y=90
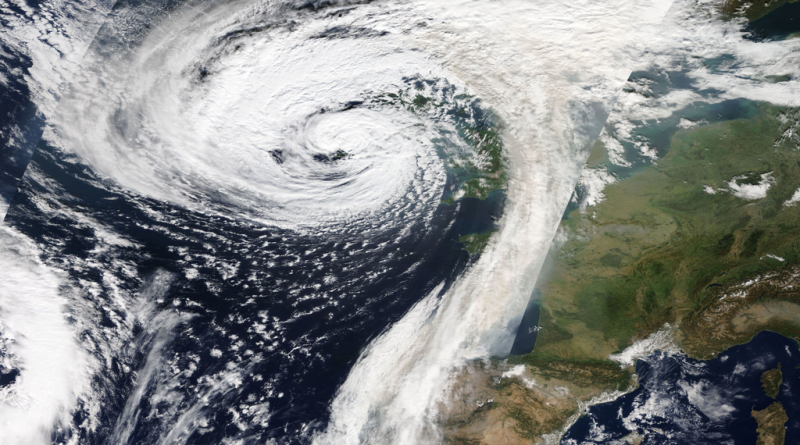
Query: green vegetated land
x=476, y=174
x=474, y=243
x=771, y=381
x=486, y=170
x=662, y=249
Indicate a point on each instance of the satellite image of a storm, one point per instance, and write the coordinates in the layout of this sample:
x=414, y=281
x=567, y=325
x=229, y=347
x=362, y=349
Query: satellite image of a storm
x=399, y=222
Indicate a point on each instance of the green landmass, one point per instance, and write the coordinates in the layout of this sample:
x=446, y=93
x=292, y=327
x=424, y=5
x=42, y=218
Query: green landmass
x=476, y=174
x=661, y=248
x=487, y=169
x=771, y=424
x=479, y=173
x=771, y=381
x=704, y=244
x=753, y=9
x=475, y=243
x=781, y=78
x=671, y=247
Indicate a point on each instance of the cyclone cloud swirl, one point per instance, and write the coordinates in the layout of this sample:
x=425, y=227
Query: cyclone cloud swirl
x=220, y=110
x=256, y=221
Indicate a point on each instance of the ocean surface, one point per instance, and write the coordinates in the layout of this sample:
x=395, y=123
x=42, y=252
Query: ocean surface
x=207, y=327
x=686, y=401
x=233, y=311
x=233, y=213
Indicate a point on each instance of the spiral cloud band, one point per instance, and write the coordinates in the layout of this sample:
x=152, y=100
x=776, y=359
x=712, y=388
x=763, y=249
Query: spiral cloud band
x=228, y=115
x=285, y=187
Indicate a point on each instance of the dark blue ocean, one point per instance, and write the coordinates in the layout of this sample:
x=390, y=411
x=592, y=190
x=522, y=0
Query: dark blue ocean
x=253, y=291
x=681, y=401
x=208, y=328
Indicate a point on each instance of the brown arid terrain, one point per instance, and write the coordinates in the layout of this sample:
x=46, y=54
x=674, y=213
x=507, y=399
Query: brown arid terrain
x=498, y=403
x=771, y=421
